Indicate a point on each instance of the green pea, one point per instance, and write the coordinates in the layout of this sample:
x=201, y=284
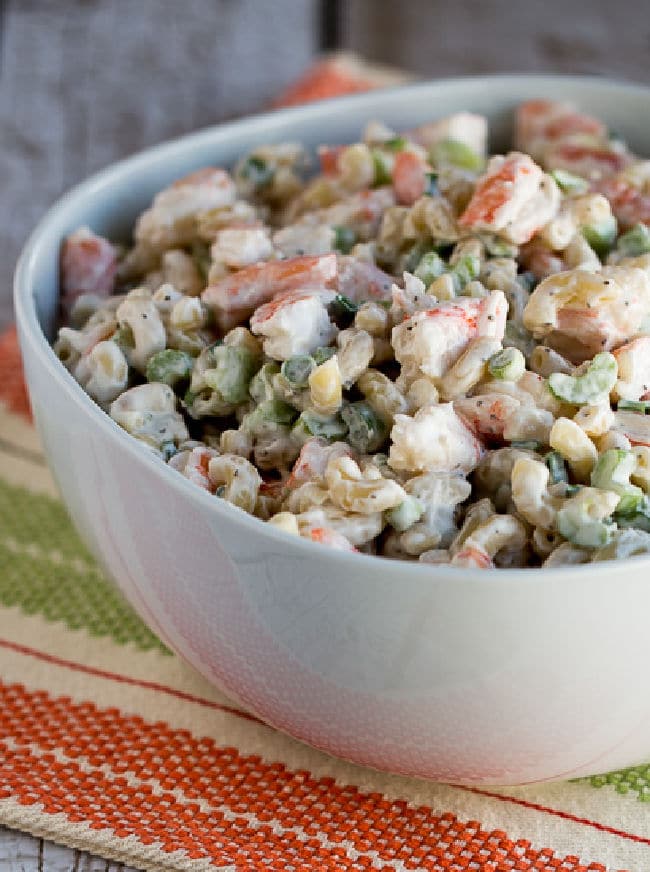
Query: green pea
x=406, y=514
x=509, y=364
x=612, y=472
x=323, y=353
x=261, y=386
x=569, y=183
x=232, y=372
x=430, y=267
x=635, y=242
x=367, y=432
x=169, y=367
x=344, y=239
x=297, y=370
x=590, y=388
x=601, y=237
x=310, y=424
x=456, y=153
x=556, y=467
x=465, y=270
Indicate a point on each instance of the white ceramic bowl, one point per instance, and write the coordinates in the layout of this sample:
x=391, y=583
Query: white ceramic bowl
x=505, y=677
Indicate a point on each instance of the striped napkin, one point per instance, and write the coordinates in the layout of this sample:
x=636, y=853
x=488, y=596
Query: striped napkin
x=111, y=744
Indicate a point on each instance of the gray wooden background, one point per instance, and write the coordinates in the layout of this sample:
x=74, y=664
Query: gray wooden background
x=84, y=82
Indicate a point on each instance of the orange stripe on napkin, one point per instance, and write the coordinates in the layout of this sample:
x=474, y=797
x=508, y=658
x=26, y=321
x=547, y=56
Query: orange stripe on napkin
x=12, y=385
x=166, y=786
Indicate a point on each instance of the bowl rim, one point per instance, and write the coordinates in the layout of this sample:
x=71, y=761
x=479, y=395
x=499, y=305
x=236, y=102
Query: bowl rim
x=102, y=180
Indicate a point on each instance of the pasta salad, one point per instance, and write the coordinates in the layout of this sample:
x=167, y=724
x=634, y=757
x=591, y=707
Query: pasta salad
x=416, y=350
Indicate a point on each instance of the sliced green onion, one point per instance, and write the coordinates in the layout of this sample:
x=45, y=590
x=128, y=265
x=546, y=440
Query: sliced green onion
x=406, y=514
x=569, y=183
x=297, y=370
x=342, y=310
x=344, y=239
x=431, y=187
x=169, y=367
x=456, y=153
x=635, y=242
x=556, y=467
x=367, y=432
x=256, y=171
x=431, y=266
x=383, y=168
x=509, y=364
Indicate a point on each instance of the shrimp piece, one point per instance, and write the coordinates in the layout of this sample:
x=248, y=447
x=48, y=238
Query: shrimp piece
x=592, y=161
x=241, y=245
x=580, y=313
x=330, y=537
x=88, y=266
x=532, y=120
x=635, y=427
x=313, y=459
x=488, y=414
x=194, y=463
x=436, y=439
x=472, y=557
x=235, y=297
x=296, y=322
x=409, y=177
x=328, y=156
x=513, y=198
x=361, y=212
x=171, y=221
x=430, y=342
x=630, y=204
x=465, y=127
x=558, y=136
x=361, y=281
x=540, y=260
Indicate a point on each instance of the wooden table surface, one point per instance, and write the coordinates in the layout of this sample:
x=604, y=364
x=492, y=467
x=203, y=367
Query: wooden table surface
x=84, y=82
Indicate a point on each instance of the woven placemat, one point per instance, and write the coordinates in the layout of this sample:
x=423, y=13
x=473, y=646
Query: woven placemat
x=111, y=744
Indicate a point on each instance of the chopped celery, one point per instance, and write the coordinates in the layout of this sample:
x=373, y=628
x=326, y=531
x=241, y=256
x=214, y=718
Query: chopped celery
x=635, y=242
x=591, y=387
x=456, y=153
x=569, y=183
x=256, y=171
x=311, y=424
x=601, y=237
x=640, y=406
x=232, y=372
x=509, y=364
x=612, y=472
x=406, y=514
